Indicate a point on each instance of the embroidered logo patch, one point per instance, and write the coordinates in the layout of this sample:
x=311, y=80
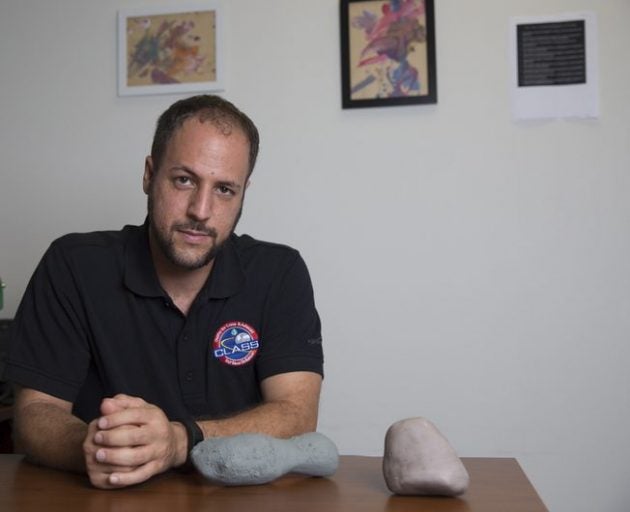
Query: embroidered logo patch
x=235, y=343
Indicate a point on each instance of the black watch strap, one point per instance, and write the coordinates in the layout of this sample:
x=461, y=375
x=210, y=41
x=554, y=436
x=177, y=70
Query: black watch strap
x=195, y=436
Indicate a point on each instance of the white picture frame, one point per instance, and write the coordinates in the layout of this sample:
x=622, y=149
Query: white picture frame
x=169, y=50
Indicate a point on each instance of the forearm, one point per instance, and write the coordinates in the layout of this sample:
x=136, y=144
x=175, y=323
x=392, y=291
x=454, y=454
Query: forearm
x=281, y=419
x=49, y=435
x=290, y=406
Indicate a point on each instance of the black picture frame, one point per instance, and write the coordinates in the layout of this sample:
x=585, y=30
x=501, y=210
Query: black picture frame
x=387, y=53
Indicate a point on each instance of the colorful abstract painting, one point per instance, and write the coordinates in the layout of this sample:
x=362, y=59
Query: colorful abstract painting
x=175, y=50
x=387, y=49
x=171, y=48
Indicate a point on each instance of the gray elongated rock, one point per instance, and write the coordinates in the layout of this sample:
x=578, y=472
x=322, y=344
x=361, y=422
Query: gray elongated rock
x=252, y=459
x=419, y=460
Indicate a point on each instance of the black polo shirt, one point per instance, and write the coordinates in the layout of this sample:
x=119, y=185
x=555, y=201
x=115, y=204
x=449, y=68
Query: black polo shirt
x=94, y=322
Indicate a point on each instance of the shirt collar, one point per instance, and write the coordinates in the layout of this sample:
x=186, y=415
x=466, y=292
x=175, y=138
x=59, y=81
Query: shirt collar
x=226, y=279
x=227, y=276
x=139, y=273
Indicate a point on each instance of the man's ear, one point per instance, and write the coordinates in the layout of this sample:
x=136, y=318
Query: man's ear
x=149, y=172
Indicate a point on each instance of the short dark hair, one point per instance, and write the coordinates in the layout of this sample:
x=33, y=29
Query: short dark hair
x=220, y=112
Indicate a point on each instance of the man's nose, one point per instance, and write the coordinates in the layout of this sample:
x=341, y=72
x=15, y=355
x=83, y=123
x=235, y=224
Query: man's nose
x=200, y=206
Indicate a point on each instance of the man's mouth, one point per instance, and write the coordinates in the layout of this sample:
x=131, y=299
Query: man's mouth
x=196, y=234
x=195, y=230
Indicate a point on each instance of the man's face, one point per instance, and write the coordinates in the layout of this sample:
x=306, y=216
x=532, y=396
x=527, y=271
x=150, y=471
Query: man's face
x=196, y=196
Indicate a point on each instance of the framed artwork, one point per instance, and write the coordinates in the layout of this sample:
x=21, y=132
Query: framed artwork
x=170, y=50
x=387, y=53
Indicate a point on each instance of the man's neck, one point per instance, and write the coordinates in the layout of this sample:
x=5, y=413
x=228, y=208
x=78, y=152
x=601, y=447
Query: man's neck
x=181, y=285
x=184, y=286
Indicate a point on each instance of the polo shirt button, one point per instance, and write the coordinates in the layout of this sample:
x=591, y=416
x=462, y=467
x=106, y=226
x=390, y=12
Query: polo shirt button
x=189, y=376
x=185, y=338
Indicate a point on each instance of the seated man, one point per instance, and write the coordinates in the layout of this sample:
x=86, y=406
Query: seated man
x=131, y=346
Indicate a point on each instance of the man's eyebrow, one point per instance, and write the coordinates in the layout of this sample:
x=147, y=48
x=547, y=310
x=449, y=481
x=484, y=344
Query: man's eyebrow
x=183, y=168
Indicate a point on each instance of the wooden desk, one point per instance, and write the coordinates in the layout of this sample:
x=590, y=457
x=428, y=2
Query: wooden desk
x=497, y=485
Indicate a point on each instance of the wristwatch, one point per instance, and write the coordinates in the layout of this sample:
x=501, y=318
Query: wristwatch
x=195, y=436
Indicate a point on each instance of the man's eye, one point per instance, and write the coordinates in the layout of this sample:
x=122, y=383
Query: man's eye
x=223, y=190
x=182, y=181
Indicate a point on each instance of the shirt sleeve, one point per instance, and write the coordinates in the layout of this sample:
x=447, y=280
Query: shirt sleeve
x=291, y=337
x=48, y=348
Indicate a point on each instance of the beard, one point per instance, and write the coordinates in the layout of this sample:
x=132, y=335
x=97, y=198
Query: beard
x=180, y=258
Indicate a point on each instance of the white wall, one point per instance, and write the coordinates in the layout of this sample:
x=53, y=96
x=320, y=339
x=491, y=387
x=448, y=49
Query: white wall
x=467, y=268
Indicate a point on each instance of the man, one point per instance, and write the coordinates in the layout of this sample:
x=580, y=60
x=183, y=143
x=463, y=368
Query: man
x=129, y=347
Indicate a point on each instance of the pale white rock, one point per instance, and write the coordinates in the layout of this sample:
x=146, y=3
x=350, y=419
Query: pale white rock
x=419, y=460
x=251, y=459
